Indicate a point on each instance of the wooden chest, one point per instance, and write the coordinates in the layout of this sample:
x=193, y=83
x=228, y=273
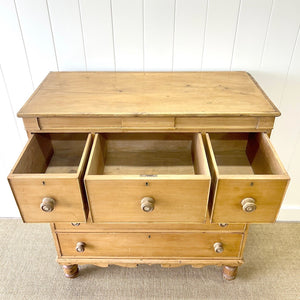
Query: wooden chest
x=149, y=168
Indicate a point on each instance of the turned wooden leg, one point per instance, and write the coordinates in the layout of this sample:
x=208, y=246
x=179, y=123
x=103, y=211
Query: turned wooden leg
x=229, y=273
x=71, y=271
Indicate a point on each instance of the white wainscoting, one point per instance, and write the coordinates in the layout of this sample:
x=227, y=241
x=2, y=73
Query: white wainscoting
x=258, y=36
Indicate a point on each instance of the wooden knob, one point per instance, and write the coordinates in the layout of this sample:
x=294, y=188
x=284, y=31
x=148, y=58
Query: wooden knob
x=248, y=205
x=80, y=247
x=47, y=204
x=218, y=247
x=147, y=204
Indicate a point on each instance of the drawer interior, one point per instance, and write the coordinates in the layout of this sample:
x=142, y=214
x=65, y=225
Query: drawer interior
x=244, y=153
x=52, y=153
x=147, y=154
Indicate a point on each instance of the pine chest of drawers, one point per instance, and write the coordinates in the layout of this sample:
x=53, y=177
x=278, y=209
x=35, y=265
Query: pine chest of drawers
x=149, y=168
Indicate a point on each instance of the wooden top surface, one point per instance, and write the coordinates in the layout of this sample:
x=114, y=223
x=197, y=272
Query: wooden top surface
x=110, y=94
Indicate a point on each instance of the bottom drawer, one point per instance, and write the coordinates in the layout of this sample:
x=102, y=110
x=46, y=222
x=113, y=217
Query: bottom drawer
x=148, y=245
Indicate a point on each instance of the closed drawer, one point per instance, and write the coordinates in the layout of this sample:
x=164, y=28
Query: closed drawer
x=248, y=179
x=147, y=178
x=47, y=179
x=147, y=245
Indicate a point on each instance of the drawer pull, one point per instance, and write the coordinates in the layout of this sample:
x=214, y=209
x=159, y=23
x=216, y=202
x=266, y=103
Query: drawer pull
x=248, y=205
x=47, y=204
x=80, y=247
x=218, y=247
x=147, y=204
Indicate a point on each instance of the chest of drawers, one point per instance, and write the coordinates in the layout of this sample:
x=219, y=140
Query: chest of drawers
x=149, y=168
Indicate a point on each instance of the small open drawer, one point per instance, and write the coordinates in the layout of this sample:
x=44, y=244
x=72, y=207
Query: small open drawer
x=47, y=178
x=134, y=177
x=248, y=179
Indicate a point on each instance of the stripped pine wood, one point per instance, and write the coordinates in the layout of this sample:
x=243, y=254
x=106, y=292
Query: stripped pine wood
x=148, y=94
x=153, y=245
x=245, y=166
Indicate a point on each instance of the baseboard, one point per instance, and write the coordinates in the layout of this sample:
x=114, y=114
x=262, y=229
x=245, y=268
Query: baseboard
x=289, y=213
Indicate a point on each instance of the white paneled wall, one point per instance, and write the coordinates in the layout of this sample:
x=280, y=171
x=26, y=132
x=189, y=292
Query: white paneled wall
x=258, y=36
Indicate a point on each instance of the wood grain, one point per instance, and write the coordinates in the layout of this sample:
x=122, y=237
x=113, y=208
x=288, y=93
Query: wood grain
x=103, y=262
x=51, y=166
x=245, y=166
x=148, y=94
x=123, y=169
x=153, y=245
x=149, y=227
x=146, y=124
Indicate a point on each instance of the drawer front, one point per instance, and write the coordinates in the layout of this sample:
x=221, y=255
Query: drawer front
x=267, y=194
x=173, y=200
x=249, y=181
x=148, y=245
x=47, y=178
x=67, y=194
x=147, y=178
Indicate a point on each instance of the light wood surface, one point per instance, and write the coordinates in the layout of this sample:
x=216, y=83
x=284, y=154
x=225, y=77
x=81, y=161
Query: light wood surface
x=148, y=150
x=104, y=262
x=115, y=197
x=245, y=165
x=229, y=272
x=149, y=227
x=150, y=244
x=148, y=94
x=51, y=166
x=86, y=123
x=71, y=271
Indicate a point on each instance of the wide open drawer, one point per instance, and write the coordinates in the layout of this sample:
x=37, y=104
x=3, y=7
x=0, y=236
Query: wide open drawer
x=47, y=178
x=147, y=178
x=248, y=179
x=149, y=244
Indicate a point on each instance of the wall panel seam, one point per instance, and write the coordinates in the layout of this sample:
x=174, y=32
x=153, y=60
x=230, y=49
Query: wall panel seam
x=26, y=55
x=174, y=28
x=113, y=34
x=52, y=35
x=10, y=103
x=204, y=35
x=235, y=34
x=143, y=3
x=289, y=67
x=82, y=35
x=267, y=33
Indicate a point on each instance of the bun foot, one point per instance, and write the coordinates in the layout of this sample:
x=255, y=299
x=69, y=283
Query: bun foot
x=229, y=273
x=71, y=271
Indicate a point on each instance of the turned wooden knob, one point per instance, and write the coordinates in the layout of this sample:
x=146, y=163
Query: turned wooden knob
x=218, y=247
x=47, y=204
x=147, y=204
x=80, y=247
x=248, y=204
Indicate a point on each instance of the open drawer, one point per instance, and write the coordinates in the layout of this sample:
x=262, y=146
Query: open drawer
x=248, y=179
x=47, y=178
x=147, y=177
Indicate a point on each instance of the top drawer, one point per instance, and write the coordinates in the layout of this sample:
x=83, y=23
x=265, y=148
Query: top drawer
x=248, y=179
x=148, y=178
x=46, y=179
